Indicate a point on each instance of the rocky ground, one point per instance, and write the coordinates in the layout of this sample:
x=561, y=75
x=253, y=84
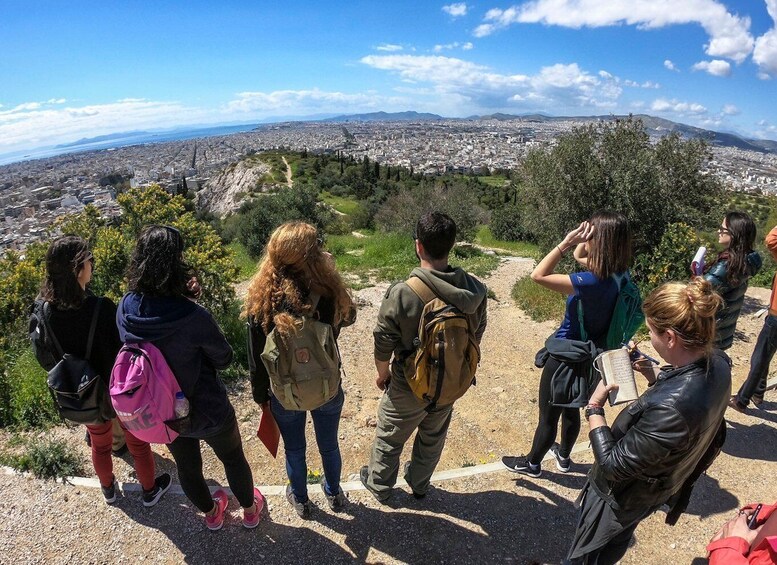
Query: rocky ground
x=489, y=517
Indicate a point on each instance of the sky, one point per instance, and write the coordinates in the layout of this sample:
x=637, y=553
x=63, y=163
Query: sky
x=73, y=70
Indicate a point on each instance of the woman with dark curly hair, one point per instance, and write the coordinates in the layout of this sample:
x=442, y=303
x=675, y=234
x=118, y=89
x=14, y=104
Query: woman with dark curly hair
x=69, y=268
x=295, y=278
x=160, y=307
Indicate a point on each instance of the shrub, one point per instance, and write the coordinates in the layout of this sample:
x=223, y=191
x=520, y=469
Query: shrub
x=401, y=211
x=539, y=303
x=507, y=224
x=671, y=259
x=31, y=403
x=48, y=459
x=234, y=330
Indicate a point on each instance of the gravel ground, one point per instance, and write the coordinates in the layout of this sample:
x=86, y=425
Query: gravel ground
x=485, y=518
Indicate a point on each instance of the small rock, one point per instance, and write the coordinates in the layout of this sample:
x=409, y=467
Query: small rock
x=370, y=422
x=673, y=545
x=497, y=390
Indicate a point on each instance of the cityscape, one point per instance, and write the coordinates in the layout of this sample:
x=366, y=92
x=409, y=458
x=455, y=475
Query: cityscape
x=33, y=194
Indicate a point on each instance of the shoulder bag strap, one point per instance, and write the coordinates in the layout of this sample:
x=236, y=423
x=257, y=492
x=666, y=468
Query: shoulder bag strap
x=92, y=328
x=421, y=289
x=49, y=331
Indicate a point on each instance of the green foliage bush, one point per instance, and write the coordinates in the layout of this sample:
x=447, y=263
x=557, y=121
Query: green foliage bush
x=258, y=219
x=401, y=211
x=30, y=403
x=614, y=165
x=508, y=224
x=671, y=259
x=46, y=459
x=539, y=303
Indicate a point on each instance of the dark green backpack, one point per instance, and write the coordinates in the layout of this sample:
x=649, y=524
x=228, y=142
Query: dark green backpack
x=627, y=315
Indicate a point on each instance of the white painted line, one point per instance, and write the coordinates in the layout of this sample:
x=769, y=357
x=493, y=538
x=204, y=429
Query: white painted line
x=276, y=490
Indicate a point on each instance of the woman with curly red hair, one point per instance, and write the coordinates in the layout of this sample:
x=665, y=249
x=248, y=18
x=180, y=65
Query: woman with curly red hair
x=297, y=279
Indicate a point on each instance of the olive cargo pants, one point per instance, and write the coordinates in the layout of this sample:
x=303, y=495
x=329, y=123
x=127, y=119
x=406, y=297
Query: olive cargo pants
x=400, y=413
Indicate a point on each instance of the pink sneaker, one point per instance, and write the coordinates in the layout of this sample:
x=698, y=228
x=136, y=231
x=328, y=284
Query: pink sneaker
x=251, y=520
x=221, y=500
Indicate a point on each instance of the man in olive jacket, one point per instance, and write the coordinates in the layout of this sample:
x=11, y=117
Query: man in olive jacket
x=400, y=412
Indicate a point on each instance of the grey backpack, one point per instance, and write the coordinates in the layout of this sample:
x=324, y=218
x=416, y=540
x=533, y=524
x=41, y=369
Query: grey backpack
x=304, y=367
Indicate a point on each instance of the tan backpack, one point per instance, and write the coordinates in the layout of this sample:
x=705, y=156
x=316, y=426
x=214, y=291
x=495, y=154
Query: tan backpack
x=304, y=368
x=447, y=354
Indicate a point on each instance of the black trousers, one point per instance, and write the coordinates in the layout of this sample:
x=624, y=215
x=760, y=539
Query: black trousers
x=545, y=434
x=765, y=347
x=227, y=446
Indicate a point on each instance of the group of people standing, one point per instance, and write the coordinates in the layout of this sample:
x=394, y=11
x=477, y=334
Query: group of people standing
x=642, y=459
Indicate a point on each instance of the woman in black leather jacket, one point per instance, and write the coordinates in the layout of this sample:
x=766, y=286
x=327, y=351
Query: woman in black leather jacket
x=654, y=445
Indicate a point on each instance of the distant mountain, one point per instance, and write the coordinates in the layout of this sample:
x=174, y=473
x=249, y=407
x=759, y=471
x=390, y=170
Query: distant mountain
x=384, y=117
x=103, y=138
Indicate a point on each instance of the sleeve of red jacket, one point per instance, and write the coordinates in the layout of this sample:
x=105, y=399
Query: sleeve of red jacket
x=728, y=551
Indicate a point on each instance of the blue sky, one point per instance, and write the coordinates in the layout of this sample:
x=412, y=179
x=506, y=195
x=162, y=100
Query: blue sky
x=77, y=69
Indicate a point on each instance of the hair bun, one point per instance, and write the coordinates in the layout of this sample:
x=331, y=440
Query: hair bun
x=702, y=297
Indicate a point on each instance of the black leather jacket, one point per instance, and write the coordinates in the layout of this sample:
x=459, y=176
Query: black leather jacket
x=655, y=444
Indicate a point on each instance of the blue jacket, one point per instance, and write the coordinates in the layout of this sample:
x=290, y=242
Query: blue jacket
x=733, y=297
x=193, y=346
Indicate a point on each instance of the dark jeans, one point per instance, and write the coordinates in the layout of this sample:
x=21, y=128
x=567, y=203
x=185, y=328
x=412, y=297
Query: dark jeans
x=228, y=448
x=765, y=347
x=547, y=426
x=326, y=421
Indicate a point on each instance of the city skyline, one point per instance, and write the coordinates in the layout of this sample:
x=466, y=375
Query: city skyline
x=83, y=69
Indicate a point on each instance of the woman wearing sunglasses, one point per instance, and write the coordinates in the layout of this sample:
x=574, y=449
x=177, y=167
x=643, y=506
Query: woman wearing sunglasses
x=731, y=271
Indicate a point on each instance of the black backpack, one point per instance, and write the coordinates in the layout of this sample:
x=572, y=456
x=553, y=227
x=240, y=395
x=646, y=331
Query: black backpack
x=79, y=392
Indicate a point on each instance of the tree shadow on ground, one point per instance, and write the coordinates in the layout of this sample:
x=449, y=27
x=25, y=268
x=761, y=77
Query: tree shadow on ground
x=752, y=442
x=482, y=527
x=270, y=542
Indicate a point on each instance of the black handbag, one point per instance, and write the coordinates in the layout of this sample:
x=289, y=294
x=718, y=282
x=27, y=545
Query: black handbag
x=79, y=392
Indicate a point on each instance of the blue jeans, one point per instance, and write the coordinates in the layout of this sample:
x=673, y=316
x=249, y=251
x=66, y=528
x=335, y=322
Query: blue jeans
x=765, y=347
x=326, y=421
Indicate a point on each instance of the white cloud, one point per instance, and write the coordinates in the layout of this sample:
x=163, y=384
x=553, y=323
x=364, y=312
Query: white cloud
x=391, y=47
x=730, y=110
x=558, y=87
x=765, y=51
x=455, y=10
x=671, y=66
x=34, y=125
x=56, y=101
x=675, y=107
x=646, y=84
x=729, y=34
x=716, y=67
x=303, y=101
x=455, y=45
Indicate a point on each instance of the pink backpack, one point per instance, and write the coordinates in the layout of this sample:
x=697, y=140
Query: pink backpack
x=143, y=390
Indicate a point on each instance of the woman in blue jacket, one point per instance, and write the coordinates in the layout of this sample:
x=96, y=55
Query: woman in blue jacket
x=731, y=272
x=160, y=308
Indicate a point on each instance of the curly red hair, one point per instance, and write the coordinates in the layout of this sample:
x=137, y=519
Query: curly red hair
x=292, y=267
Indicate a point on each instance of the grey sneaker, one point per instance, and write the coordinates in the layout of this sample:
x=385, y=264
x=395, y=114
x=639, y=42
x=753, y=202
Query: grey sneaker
x=522, y=466
x=109, y=493
x=161, y=486
x=563, y=464
x=303, y=509
x=337, y=501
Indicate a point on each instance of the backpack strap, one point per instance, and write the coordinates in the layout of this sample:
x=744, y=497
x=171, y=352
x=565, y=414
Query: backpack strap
x=421, y=289
x=49, y=332
x=93, y=328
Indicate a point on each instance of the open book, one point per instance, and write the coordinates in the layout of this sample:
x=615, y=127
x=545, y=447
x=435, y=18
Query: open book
x=615, y=367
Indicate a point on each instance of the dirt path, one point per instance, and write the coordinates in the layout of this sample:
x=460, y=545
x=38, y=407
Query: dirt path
x=487, y=518
x=289, y=180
